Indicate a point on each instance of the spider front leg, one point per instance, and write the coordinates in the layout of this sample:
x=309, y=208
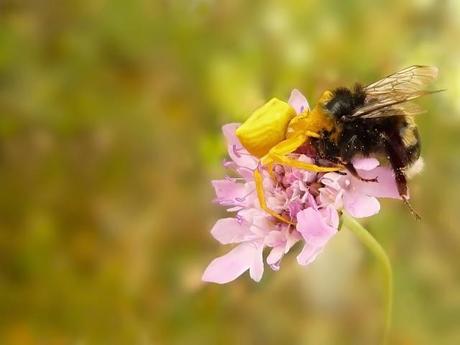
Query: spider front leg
x=293, y=163
x=279, y=155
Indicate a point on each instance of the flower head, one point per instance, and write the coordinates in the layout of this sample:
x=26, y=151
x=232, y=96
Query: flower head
x=311, y=201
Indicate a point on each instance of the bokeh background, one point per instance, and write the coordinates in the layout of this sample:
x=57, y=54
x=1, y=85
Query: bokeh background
x=110, y=117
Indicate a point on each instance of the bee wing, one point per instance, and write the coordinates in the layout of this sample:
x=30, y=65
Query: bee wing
x=409, y=80
x=401, y=109
x=395, y=89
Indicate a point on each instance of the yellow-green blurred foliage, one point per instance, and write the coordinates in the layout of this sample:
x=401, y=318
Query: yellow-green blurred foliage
x=110, y=116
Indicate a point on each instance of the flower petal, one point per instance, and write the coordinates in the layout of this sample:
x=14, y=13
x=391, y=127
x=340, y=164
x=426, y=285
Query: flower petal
x=367, y=163
x=261, y=223
x=298, y=101
x=226, y=268
x=274, y=257
x=275, y=238
x=230, y=230
x=294, y=206
x=316, y=233
x=308, y=254
x=292, y=238
x=360, y=205
x=385, y=187
x=313, y=227
x=331, y=216
x=332, y=180
x=228, y=190
x=257, y=267
x=236, y=151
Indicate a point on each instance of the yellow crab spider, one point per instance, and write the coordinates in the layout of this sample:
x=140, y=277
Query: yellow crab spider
x=274, y=131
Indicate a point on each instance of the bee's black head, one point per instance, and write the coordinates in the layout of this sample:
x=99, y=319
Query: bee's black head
x=345, y=101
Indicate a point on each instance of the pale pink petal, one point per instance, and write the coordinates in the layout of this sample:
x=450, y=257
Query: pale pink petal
x=230, y=230
x=292, y=238
x=229, y=132
x=226, y=268
x=275, y=238
x=385, y=187
x=330, y=215
x=275, y=256
x=257, y=267
x=228, y=190
x=250, y=214
x=360, y=205
x=306, y=159
x=246, y=173
x=311, y=201
x=332, y=180
x=308, y=254
x=294, y=206
x=234, y=208
x=235, y=150
x=313, y=227
x=289, y=177
x=276, y=203
x=328, y=196
x=262, y=224
x=367, y=164
x=298, y=101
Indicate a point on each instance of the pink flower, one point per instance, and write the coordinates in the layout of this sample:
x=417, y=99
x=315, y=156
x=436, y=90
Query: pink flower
x=252, y=229
x=310, y=200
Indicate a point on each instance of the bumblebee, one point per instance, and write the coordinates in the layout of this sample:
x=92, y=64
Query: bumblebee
x=376, y=120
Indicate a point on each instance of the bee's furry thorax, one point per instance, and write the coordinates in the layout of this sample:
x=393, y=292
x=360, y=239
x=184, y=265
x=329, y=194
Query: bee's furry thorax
x=345, y=101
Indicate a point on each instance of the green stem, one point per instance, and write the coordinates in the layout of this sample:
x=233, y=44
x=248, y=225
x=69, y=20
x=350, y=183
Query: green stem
x=367, y=239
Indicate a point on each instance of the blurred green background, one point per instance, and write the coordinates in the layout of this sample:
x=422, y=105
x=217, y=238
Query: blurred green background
x=110, y=116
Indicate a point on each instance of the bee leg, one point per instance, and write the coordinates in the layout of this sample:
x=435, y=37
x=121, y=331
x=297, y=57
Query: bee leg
x=396, y=155
x=401, y=183
x=261, y=196
x=352, y=170
x=411, y=209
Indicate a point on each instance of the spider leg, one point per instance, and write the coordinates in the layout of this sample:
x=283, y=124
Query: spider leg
x=263, y=202
x=278, y=154
x=286, y=161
